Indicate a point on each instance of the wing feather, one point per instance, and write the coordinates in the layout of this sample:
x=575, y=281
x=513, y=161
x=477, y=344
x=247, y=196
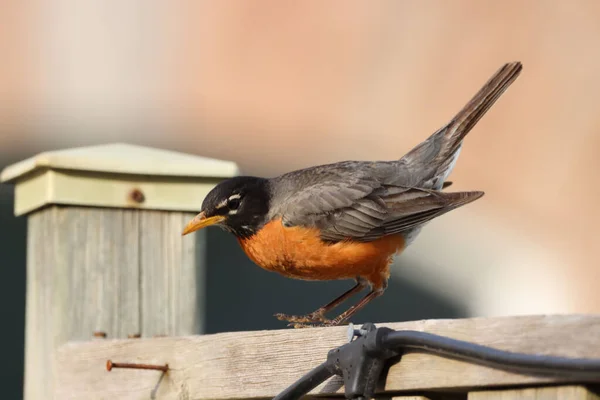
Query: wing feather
x=406, y=209
x=352, y=202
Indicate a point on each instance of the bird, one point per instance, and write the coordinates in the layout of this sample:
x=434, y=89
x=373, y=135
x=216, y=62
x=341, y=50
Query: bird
x=347, y=220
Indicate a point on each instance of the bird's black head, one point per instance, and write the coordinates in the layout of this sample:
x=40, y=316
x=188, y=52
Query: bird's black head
x=238, y=205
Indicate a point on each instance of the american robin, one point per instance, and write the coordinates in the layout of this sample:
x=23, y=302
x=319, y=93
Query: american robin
x=348, y=219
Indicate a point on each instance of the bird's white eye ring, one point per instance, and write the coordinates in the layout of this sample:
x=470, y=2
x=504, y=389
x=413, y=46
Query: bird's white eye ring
x=233, y=203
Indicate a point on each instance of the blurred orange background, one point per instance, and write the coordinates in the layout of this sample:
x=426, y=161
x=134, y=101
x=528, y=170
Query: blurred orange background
x=279, y=85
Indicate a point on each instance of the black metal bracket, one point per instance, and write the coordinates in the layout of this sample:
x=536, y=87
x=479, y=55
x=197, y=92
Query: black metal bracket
x=361, y=361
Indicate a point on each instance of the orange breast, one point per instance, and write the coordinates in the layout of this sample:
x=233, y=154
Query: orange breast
x=299, y=253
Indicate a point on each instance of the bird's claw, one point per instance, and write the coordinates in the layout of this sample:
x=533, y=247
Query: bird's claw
x=300, y=326
x=302, y=319
x=314, y=325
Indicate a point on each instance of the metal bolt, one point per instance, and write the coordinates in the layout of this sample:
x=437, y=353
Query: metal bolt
x=137, y=196
x=99, y=334
x=110, y=365
x=352, y=333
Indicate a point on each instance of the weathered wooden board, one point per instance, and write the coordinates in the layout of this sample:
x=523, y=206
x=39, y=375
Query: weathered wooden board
x=122, y=272
x=261, y=364
x=170, y=267
x=540, y=393
x=71, y=294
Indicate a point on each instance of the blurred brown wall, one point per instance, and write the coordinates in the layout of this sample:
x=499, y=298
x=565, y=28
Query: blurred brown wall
x=277, y=85
x=14, y=70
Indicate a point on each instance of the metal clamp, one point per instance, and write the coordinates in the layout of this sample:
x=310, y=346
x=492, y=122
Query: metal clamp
x=360, y=362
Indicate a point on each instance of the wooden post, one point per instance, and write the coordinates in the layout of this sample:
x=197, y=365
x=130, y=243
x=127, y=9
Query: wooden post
x=104, y=247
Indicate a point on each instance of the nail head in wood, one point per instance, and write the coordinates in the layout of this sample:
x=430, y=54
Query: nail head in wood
x=137, y=196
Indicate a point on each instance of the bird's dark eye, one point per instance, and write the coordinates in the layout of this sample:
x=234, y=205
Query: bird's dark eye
x=233, y=204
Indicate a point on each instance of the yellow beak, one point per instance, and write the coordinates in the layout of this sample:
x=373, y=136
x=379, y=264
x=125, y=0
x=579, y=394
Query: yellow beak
x=200, y=221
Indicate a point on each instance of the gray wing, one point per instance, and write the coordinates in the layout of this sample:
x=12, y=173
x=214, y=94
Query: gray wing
x=390, y=210
x=358, y=201
x=305, y=196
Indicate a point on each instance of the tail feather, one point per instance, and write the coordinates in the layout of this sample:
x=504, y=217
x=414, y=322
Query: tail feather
x=475, y=109
x=434, y=158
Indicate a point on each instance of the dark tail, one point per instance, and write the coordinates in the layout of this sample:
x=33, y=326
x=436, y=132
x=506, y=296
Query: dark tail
x=434, y=158
x=471, y=113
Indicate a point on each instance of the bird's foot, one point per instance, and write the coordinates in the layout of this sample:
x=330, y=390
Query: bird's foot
x=314, y=317
x=300, y=326
x=322, y=324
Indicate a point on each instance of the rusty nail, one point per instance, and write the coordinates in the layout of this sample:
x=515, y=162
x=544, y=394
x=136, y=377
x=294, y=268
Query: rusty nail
x=137, y=196
x=110, y=365
x=100, y=334
x=134, y=336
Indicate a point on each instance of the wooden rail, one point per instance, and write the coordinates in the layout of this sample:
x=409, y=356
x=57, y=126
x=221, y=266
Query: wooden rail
x=260, y=364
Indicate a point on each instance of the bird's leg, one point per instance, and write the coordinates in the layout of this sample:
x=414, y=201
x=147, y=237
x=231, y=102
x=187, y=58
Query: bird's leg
x=373, y=294
x=343, y=317
x=319, y=314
